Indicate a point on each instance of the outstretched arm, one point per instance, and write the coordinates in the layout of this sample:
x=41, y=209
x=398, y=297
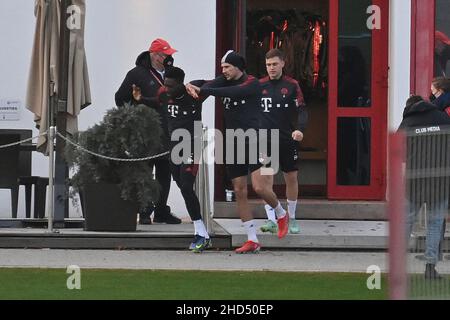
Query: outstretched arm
x=249, y=87
x=193, y=87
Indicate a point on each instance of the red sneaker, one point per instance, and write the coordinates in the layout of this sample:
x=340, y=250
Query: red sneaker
x=249, y=247
x=283, y=226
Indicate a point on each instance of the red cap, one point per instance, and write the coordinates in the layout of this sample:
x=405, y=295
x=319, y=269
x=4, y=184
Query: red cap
x=161, y=45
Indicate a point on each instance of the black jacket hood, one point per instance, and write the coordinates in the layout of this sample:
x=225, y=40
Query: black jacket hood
x=419, y=108
x=422, y=114
x=143, y=60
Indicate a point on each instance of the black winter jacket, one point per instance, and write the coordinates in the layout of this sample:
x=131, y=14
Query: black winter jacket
x=423, y=114
x=424, y=124
x=150, y=81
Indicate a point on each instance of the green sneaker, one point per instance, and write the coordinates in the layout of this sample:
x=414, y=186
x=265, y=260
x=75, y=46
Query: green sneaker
x=269, y=226
x=293, y=226
x=202, y=244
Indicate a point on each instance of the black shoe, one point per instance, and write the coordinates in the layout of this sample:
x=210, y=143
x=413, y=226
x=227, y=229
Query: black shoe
x=431, y=273
x=145, y=220
x=144, y=215
x=165, y=216
x=168, y=218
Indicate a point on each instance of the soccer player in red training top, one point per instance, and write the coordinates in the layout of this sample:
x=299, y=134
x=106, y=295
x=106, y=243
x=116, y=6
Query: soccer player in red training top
x=282, y=106
x=241, y=97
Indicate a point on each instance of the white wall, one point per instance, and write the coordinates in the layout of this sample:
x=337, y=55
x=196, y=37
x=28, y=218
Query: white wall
x=399, y=60
x=399, y=63
x=116, y=32
x=17, y=25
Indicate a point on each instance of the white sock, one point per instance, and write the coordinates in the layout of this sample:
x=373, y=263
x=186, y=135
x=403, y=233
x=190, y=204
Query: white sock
x=292, y=206
x=200, y=229
x=251, y=230
x=270, y=213
x=279, y=211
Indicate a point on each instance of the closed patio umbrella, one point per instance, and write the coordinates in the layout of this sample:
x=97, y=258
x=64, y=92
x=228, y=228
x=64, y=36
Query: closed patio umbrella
x=44, y=82
x=79, y=93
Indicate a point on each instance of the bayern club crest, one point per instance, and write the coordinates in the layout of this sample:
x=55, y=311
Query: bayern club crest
x=265, y=92
x=284, y=91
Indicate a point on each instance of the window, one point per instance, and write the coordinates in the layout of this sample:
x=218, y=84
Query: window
x=442, y=39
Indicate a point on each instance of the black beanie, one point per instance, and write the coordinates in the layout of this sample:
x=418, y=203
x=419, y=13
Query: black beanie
x=234, y=59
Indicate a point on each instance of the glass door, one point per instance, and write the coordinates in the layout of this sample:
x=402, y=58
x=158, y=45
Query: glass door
x=358, y=99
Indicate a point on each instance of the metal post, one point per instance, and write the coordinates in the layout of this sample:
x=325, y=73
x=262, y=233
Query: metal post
x=397, y=219
x=205, y=180
x=51, y=193
x=202, y=183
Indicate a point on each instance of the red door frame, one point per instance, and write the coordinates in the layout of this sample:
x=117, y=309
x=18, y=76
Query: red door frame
x=423, y=24
x=223, y=40
x=228, y=36
x=229, y=22
x=377, y=113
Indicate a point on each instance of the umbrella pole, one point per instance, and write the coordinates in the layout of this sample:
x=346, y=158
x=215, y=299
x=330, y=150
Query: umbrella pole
x=61, y=203
x=51, y=139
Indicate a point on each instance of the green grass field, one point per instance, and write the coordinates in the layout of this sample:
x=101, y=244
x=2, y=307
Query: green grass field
x=186, y=285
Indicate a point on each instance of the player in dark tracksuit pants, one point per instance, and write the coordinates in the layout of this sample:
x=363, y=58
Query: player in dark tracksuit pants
x=282, y=108
x=241, y=97
x=183, y=113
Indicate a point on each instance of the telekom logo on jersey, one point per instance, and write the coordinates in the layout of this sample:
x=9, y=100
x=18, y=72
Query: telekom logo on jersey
x=173, y=110
x=266, y=103
x=227, y=103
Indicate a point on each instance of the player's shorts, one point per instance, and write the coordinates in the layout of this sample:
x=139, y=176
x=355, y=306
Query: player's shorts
x=245, y=161
x=286, y=159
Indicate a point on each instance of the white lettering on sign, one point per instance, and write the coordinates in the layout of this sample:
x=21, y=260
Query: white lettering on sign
x=429, y=129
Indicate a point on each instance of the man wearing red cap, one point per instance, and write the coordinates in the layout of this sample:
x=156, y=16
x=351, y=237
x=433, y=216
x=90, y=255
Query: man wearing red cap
x=141, y=86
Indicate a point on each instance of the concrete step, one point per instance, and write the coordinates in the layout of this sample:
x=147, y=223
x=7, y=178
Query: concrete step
x=226, y=234
x=155, y=236
x=314, y=209
x=316, y=234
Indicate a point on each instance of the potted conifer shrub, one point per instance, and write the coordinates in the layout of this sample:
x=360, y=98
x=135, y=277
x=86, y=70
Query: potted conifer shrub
x=112, y=192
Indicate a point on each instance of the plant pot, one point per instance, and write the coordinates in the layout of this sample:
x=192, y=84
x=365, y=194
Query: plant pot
x=105, y=210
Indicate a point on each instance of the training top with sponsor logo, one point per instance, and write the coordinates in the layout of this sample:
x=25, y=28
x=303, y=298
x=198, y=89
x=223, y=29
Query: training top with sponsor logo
x=282, y=106
x=241, y=100
x=182, y=112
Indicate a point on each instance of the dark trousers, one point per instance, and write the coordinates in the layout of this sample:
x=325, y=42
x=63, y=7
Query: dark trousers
x=184, y=175
x=163, y=176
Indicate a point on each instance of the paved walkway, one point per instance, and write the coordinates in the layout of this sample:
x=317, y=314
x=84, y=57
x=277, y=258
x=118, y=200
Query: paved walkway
x=300, y=261
x=317, y=234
